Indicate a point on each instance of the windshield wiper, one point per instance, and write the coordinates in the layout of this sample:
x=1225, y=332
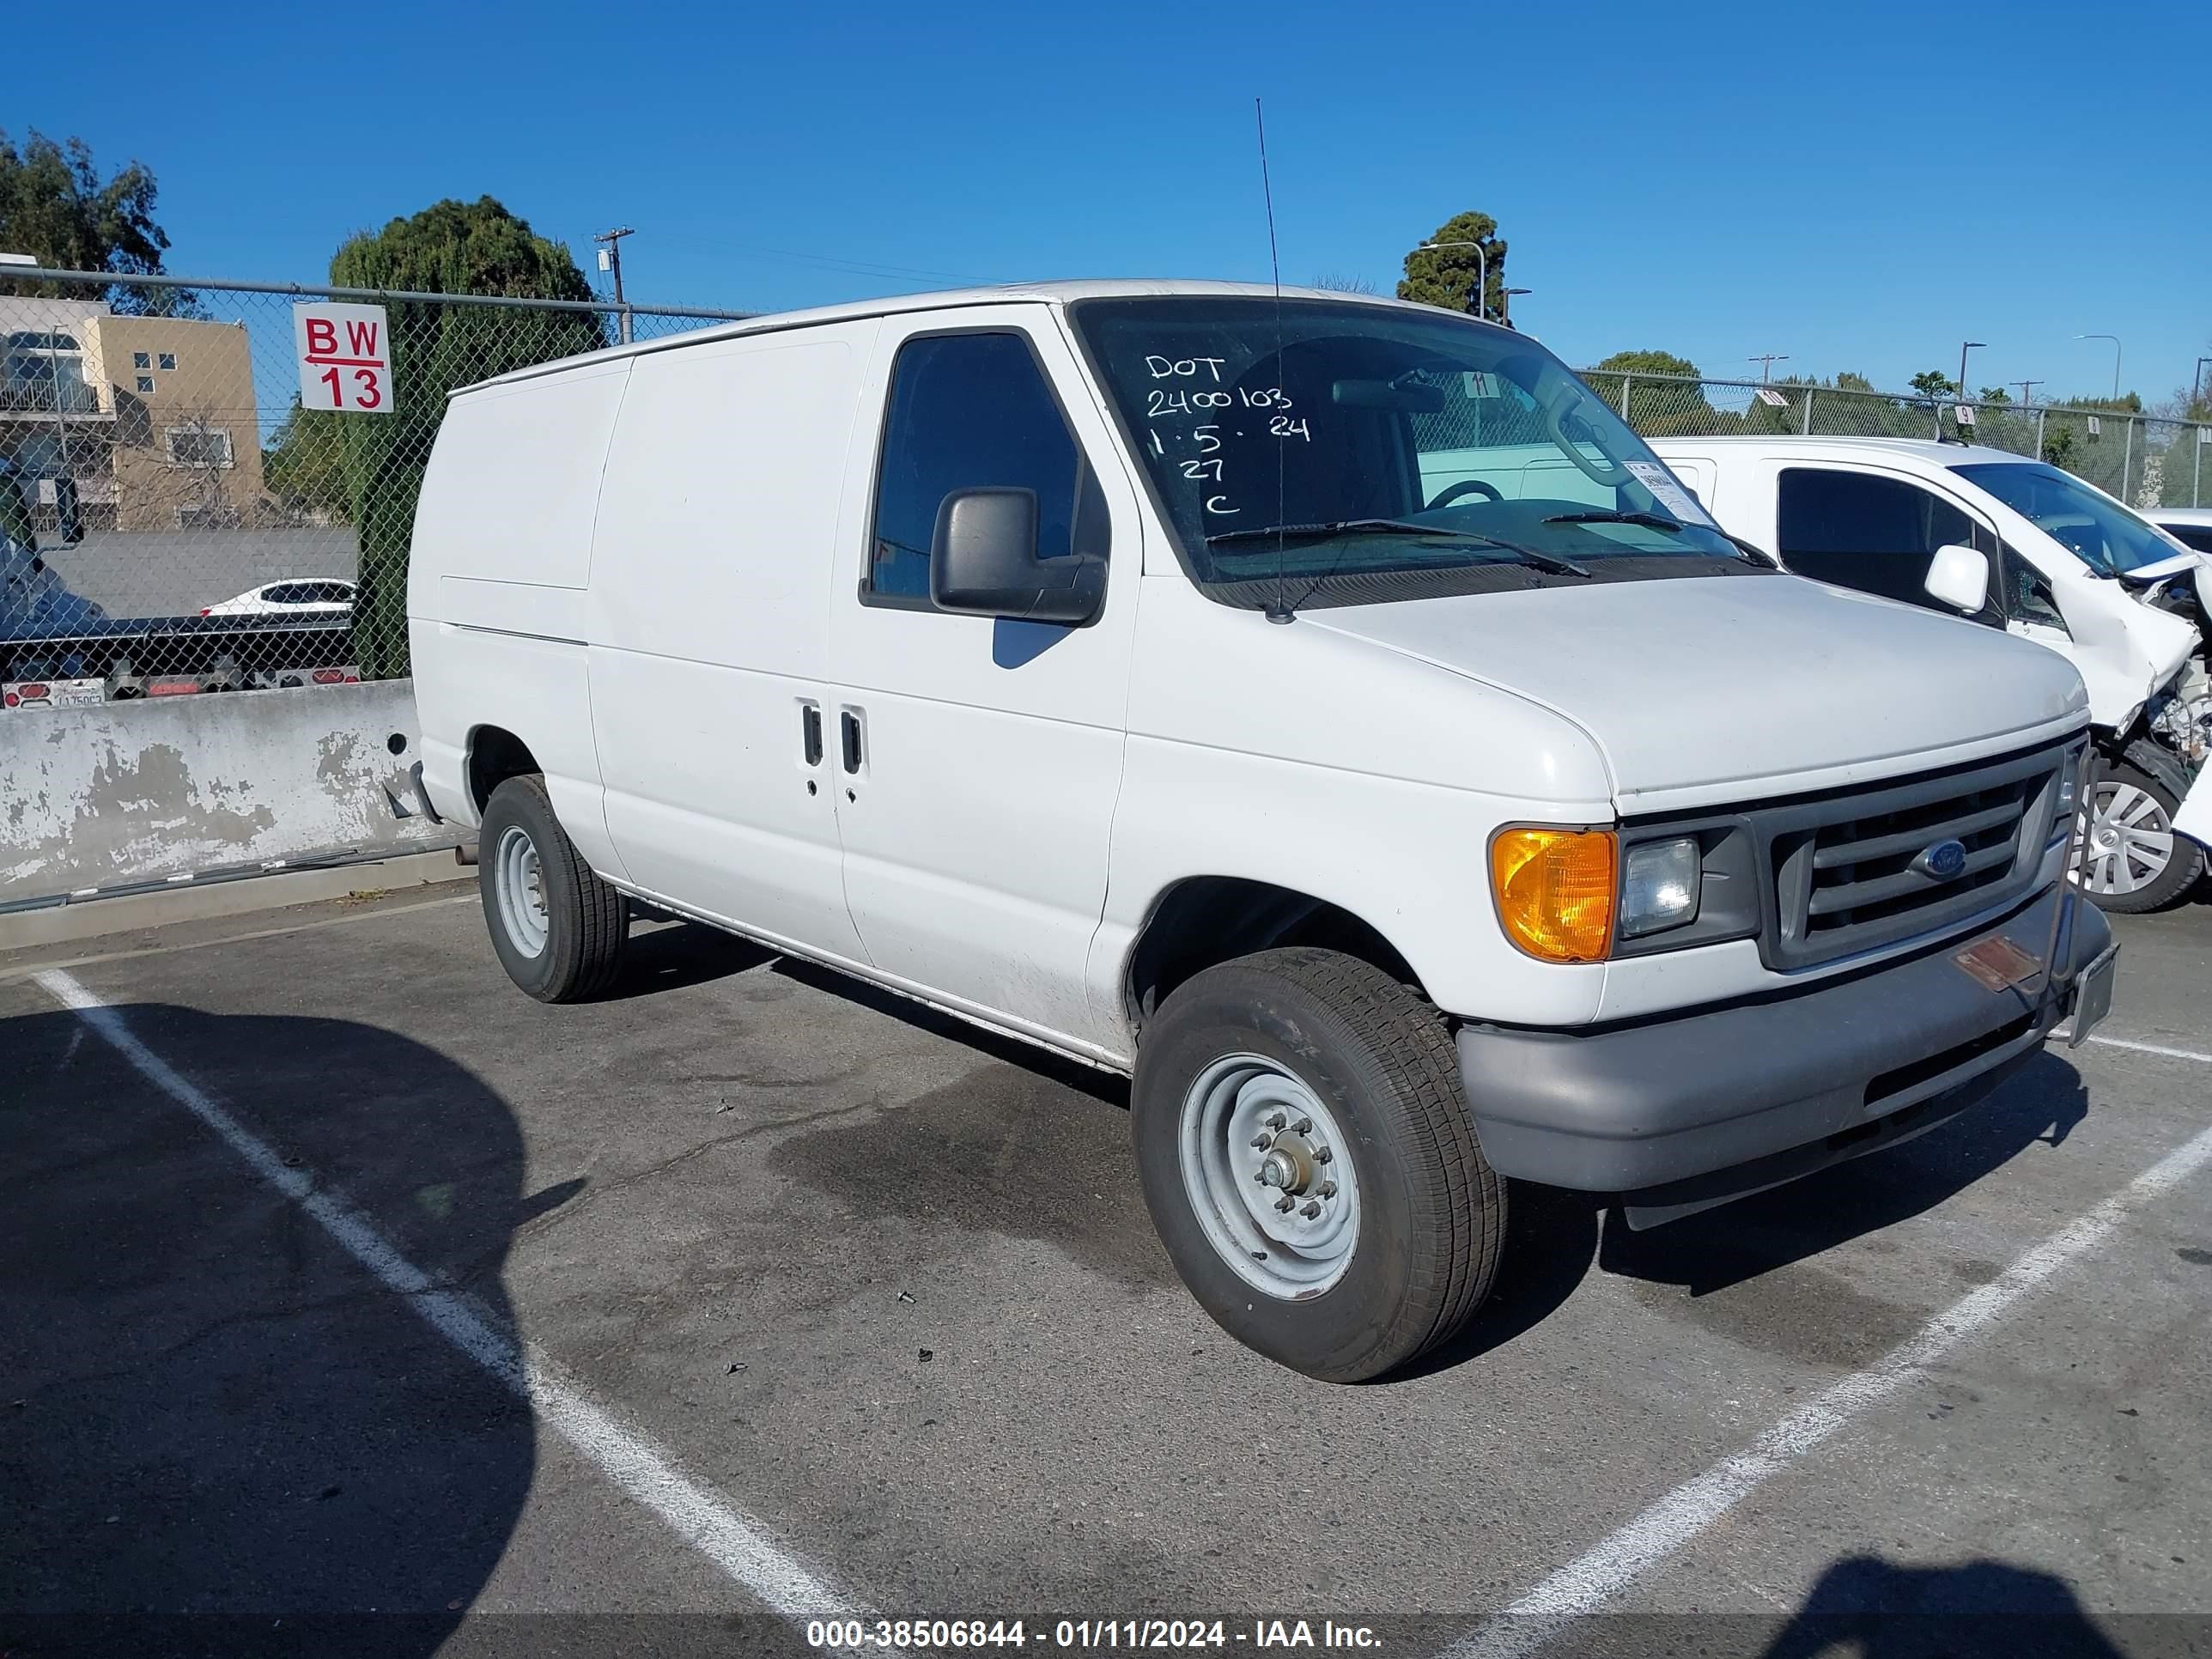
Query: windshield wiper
x=1528, y=555
x=1606, y=516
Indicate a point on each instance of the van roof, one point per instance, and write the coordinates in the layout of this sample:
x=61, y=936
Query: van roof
x=1925, y=449
x=1053, y=293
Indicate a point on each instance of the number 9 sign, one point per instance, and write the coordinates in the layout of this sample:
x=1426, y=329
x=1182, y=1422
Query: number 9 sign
x=345, y=358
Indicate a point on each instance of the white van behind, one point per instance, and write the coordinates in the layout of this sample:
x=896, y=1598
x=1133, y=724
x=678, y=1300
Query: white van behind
x=2040, y=554
x=1321, y=709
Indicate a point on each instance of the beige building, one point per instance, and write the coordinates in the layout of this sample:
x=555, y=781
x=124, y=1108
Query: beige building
x=187, y=448
x=152, y=416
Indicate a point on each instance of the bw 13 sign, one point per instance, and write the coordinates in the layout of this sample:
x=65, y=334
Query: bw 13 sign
x=345, y=358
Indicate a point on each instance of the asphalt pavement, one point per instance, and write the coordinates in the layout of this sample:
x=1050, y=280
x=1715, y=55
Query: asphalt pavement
x=354, y=1303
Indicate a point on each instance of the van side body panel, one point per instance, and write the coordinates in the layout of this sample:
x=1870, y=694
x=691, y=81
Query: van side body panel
x=495, y=592
x=709, y=618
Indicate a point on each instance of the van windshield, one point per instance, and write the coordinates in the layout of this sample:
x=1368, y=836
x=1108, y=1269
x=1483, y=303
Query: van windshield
x=1336, y=452
x=2096, y=529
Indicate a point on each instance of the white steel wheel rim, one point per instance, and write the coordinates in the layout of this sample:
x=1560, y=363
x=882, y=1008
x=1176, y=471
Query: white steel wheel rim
x=1253, y=1134
x=518, y=879
x=2130, y=839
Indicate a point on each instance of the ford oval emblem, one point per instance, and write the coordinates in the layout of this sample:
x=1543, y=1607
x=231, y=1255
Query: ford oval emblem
x=1945, y=862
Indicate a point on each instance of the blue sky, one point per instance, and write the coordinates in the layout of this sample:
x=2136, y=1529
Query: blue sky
x=1860, y=186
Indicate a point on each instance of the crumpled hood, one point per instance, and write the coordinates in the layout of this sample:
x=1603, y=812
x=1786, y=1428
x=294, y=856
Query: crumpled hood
x=1694, y=688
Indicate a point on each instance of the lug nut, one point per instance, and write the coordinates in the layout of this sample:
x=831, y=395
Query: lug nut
x=1276, y=1121
x=1285, y=1203
x=1310, y=1210
x=1323, y=1155
x=1305, y=1126
x=1327, y=1189
x=1261, y=1143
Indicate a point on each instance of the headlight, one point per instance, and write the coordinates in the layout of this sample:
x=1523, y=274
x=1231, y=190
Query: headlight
x=1659, y=886
x=1555, y=892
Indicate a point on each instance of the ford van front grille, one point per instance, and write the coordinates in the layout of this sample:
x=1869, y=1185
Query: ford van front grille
x=1855, y=870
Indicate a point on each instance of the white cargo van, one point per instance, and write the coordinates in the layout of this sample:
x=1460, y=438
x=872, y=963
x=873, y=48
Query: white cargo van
x=1321, y=709
x=2019, y=545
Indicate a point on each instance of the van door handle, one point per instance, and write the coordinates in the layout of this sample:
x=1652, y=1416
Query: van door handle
x=809, y=730
x=848, y=727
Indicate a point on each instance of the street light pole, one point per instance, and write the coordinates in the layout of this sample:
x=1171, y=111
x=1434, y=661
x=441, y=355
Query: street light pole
x=1505, y=304
x=2115, y=339
x=1481, y=273
x=613, y=240
x=1965, y=347
x=2197, y=382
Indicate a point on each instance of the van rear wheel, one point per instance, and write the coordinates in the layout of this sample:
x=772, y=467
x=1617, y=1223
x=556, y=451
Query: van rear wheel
x=1306, y=1154
x=558, y=929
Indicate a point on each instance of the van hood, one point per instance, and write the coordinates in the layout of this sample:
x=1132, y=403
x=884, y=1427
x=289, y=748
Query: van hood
x=1700, y=690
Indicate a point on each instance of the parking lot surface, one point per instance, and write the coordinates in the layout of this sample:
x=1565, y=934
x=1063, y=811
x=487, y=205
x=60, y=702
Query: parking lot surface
x=749, y=1295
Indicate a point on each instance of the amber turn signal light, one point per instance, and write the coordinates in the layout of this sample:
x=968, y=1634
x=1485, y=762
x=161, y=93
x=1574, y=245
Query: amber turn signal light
x=1555, y=892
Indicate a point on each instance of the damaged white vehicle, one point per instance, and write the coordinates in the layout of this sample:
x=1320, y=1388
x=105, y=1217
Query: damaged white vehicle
x=2017, y=544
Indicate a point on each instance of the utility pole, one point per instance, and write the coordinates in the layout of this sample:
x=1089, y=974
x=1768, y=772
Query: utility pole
x=1766, y=361
x=2027, y=387
x=610, y=261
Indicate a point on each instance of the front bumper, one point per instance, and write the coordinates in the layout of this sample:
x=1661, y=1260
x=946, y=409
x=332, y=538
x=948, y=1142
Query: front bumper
x=1684, y=1112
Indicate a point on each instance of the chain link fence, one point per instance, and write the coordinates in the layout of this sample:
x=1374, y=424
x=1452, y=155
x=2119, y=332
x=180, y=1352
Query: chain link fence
x=175, y=516
x=2143, y=459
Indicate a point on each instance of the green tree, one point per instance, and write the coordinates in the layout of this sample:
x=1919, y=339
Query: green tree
x=1446, y=275
x=303, y=465
x=55, y=207
x=1933, y=384
x=1665, y=396
x=450, y=248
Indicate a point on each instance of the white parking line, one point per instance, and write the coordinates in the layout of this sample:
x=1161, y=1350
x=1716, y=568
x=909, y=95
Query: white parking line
x=2151, y=1048
x=733, y=1542
x=1586, y=1584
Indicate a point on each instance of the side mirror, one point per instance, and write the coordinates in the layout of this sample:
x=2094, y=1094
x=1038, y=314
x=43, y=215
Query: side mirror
x=983, y=562
x=69, y=516
x=1959, y=577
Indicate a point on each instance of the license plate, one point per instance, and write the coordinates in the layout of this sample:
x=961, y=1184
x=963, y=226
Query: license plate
x=1998, y=962
x=2092, y=995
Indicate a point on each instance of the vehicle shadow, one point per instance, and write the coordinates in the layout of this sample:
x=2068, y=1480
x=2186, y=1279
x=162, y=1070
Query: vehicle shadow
x=222, y=1433
x=667, y=956
x=2040, y=1103
x=1876, y=1609
x=1553, y=1236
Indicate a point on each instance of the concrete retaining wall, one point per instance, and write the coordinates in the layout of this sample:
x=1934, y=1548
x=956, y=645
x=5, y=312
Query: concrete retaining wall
x=129, y=792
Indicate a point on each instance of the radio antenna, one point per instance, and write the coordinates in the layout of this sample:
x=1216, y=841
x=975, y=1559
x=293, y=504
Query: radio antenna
x=1278, y=610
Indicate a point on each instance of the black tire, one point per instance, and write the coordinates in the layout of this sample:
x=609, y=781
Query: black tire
x=2164, y=784
x=1431, y=1213
x=587, y=921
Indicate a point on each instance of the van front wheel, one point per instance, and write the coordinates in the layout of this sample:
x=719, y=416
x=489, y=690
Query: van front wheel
x=558, y=929
x=1307, y=1155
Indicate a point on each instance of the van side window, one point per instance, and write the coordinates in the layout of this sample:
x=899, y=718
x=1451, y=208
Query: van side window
x=972, y=411
x=2027, y=597
x=1858, y=530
